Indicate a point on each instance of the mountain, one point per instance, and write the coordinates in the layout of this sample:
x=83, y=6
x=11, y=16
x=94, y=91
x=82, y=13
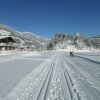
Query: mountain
x=24, y=38
x=59, y=41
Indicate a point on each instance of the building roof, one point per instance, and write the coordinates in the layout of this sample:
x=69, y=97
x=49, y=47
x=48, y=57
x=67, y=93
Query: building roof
x=17, y=40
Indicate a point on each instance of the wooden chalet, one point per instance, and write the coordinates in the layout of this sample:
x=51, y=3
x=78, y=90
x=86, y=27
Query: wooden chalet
x=8, y=43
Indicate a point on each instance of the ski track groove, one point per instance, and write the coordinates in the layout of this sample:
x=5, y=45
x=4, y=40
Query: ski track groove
x=41, y=95
x=73, y=94
x=48, y=77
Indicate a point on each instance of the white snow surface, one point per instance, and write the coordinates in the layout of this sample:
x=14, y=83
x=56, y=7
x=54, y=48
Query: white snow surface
x=52, y=75
x=32, y=54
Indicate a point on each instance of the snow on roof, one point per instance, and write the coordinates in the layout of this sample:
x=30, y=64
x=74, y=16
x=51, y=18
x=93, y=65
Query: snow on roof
x=2, y=37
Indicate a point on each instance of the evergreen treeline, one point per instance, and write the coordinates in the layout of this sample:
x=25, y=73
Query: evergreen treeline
x=75, y=40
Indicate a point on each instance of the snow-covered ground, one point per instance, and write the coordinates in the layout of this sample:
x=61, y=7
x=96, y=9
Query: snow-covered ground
x=93, y=56
x=50, y=75
x=15, y=66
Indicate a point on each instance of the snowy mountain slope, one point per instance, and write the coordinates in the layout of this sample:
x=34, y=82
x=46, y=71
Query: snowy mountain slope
x=25, y=38
x=59, y=41
x=4, y=32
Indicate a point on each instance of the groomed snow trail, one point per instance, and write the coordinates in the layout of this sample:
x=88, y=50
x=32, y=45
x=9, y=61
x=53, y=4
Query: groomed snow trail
x=59, y=78
x=85, y=75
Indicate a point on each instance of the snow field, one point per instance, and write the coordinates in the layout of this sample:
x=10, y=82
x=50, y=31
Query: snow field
x=26, y=87
x=61, y=77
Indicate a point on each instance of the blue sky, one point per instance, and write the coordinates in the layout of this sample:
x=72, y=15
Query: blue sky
x=46, y=17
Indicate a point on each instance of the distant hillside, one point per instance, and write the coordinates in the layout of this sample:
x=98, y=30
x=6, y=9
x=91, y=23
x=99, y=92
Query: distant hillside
x=59, y=41
x=24, y=38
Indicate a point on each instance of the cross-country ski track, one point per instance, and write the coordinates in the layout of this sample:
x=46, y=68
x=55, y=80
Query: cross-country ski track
x=61, y=77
